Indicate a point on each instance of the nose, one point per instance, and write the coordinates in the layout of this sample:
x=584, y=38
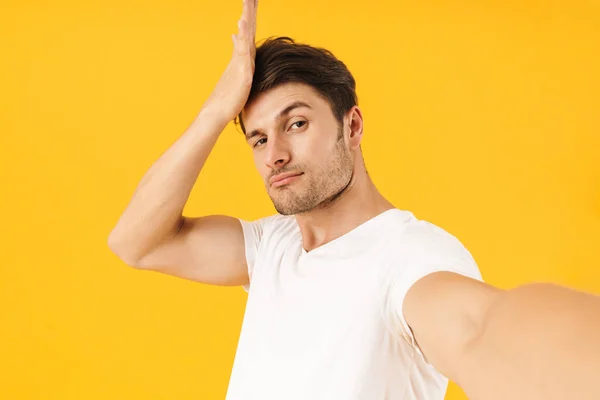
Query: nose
x=277, y=153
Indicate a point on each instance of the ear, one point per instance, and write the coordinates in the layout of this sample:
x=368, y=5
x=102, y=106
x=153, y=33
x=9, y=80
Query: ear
x=354, y=124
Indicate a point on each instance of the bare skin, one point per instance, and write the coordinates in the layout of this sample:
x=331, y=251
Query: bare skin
x=334, y=193
x=152, y=233
x=331, y=195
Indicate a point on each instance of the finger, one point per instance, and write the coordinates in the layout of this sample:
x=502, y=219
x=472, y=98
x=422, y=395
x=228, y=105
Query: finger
x=246, y=10
x=234, y=40
x=244, y=29
x=243, y=37
x=254, y=16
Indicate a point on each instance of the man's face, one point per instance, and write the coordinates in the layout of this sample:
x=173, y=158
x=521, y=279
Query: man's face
x=293, y=131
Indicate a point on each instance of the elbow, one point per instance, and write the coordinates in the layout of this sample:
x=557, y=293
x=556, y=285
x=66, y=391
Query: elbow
x=122, y=251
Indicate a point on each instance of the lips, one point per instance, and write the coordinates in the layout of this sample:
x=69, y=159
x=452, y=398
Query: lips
x=280, y=177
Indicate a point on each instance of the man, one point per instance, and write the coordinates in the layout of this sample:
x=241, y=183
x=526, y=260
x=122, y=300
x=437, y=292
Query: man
x=349, y=297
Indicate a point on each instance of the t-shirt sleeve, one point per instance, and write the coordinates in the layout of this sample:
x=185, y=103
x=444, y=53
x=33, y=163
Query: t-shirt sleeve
x=424, y=249
x=253, y=234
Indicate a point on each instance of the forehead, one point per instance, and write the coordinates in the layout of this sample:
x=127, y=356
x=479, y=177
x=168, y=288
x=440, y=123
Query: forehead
x=265, y=107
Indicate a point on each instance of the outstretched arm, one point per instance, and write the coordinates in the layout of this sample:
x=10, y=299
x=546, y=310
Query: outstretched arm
x=537, y=341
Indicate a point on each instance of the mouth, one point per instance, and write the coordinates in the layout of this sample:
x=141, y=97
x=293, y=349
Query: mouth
x=284, y=180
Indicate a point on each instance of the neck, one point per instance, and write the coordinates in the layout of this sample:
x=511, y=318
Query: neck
x=359, y=202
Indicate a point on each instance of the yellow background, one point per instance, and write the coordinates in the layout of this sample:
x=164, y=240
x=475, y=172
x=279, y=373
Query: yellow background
x=481, y=117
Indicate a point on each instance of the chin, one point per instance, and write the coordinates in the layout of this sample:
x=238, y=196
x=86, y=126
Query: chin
x=291, y=209
x=284, y=207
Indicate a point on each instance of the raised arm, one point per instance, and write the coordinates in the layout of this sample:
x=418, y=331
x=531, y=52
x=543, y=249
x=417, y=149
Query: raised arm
x=152, y=233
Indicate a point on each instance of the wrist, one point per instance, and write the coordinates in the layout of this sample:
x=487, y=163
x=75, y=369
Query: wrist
x=214, y=115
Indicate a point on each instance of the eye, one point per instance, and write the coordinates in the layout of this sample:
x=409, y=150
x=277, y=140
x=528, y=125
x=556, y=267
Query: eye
x=302, y=123
x=259, y=142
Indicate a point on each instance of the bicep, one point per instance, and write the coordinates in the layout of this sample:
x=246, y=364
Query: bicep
x=445, y=311
x=209, y=249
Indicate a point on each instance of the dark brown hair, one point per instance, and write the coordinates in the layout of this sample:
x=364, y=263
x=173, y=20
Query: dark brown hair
x=282, y=60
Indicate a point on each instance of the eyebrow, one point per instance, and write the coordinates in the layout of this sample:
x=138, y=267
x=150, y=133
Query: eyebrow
x=283, y=113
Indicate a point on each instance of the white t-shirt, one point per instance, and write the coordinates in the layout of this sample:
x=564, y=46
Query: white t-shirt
x=327, y=324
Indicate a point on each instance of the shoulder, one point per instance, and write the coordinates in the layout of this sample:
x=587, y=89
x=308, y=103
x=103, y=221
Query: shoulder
x=279, y=223
x=420, y=246
x=423, y=238
x=275, y=224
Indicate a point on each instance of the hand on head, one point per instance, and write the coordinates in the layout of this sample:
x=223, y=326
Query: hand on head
x=231, y=92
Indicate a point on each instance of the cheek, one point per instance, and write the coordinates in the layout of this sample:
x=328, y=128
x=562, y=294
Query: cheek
x=317, y=149
x=310, y=146
x=260, y=167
